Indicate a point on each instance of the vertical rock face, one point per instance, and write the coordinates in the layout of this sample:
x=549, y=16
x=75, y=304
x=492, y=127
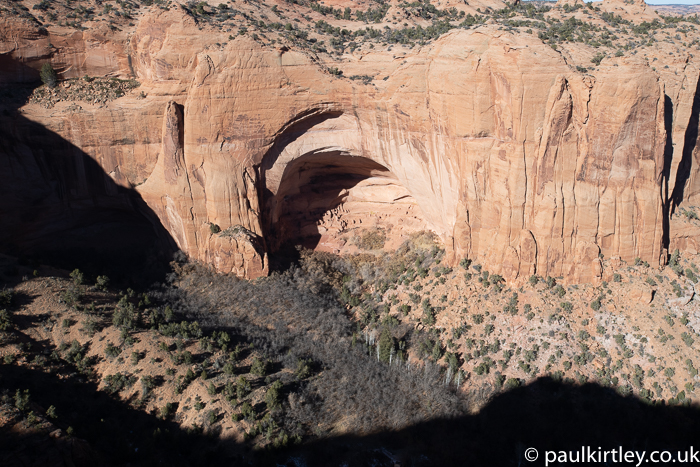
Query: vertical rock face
x=490, y=140
x=513, y=159
x=171, y=190
x=58, y=204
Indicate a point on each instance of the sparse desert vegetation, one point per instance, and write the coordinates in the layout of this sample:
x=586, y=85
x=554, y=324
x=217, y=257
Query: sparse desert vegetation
x=279, y=362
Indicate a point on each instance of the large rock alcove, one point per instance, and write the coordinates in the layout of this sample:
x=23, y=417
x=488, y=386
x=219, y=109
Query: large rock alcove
x=323, y=191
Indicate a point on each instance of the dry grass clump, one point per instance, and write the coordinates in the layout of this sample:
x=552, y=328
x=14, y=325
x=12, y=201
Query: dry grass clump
x=372, y=239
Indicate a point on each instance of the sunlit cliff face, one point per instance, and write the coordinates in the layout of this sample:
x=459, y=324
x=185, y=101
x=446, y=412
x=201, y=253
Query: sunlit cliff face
x=491, y=139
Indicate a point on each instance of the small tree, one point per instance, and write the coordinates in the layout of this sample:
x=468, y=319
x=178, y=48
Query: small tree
x=272, y=396
x=48, y=75
x=167, y=411
x=51, y=412
x=386, y=345
x=5, y=321
x=77, y=277
x=247, y=411
x=101, y=283
x=259, y=367
x=242, y=387
x=511, y=383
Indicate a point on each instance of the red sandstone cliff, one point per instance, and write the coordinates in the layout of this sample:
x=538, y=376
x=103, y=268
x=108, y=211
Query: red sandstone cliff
x=489, y=138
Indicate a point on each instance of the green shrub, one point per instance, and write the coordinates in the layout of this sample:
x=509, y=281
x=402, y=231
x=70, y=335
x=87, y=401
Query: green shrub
x=124, y=316
x=482, y=368
x=242, y=387
x=259, y=367
x=6, y=298
x=198, y=404
x=559, y=291
x=689, y=341
x=112, y=351
x=386, y=346
x=303, y=370
x=453, y=361
x=22, y=400
x=167, y=411
x=148, y=382
x=101, y=283
x=48, y=75
x=5, y=321
x=512, y=306
x=51, y=412
x=183, y=329
x=273, y=395
x=428, y=313
x=247, y=411
x=511, y=383
x=72, y=296
x=77, y=277
x=598, y=58
x=118, y=382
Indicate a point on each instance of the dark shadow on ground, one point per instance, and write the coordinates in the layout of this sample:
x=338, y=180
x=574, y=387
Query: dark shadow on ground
x=545, y=415
x=59, y=207
x=116, y=433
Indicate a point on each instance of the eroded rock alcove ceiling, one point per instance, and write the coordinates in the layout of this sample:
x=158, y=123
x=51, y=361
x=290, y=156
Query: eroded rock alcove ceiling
x=325, y=198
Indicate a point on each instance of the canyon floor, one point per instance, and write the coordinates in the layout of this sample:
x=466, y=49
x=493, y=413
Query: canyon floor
x=369, y=358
